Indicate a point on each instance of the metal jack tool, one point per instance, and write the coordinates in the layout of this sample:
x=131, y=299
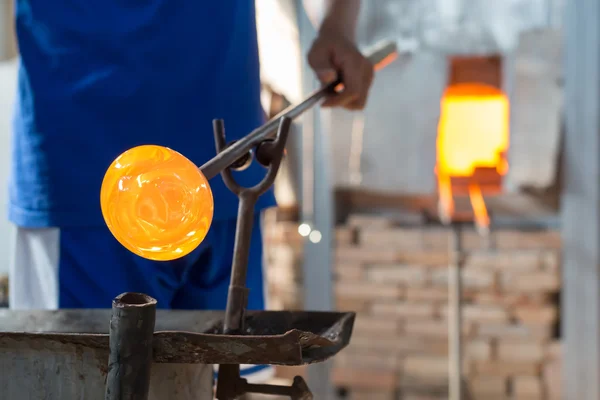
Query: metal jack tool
x=269, y=153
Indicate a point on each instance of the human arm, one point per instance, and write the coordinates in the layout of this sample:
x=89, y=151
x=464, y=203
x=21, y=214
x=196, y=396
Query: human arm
x=334, y=53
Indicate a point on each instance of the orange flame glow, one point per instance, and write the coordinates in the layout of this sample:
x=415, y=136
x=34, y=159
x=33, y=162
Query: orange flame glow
x=473, y=133
x=473, y=130
x=482, y=219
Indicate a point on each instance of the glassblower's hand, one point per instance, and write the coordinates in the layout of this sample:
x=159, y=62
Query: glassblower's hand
x=332, y=55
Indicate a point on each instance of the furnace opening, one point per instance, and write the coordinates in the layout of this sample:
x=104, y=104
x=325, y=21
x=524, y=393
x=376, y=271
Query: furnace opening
x=472, y=143
x=473, y=131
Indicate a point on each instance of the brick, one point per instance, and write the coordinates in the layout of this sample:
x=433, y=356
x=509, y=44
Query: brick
x=425, y=366
x=521, y=239
x=544, y=281
x=512, y=299
x=397, y=237
x=481, y=313
x=424, y=258
x=418, y=396
x=537, y=315
x=289, y=372
x=422, y=346
x=478, y=350
x=527, y=387
x=514, y=331
x=377, y=326
x=369, y=360
x=372, y=395
x=482, y=387
x=401, y=345
x=282, y=276
x=505, y=368
x=397, y=273
x=345, y=304
x=349, y=272
x=471, y=278
x=364, y=378
x=366, y=344
x=366, y=254
x=284, y=253
x=503, y=260
x=283, y=233
x=432, y=328
x=345, y=235
x=368, y=221
x=367, y=291
x=471, y=240
x=404, y=309
x=435, y=294
x=552, y=380
x=436, y=238
x=554, y=350
x=551, y=261
x=525, y=352
x=426, y=294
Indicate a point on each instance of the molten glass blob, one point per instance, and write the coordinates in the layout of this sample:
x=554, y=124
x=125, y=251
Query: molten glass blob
x=156, y=202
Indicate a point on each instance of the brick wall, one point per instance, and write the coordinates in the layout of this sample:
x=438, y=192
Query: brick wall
x=396, y=279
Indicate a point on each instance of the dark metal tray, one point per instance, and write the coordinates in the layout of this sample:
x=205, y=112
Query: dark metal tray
x=271, y=337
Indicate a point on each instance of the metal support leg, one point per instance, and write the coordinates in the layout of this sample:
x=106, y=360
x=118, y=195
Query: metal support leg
x=131, y=333
x=455, y=315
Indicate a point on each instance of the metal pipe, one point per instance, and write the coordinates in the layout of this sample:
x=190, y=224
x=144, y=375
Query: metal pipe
x=455, y=314
x=130, y=360
x=240, y=148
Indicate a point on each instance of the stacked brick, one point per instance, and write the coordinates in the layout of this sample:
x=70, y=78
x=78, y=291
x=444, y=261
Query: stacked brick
x=283, y=248
x=396, y=277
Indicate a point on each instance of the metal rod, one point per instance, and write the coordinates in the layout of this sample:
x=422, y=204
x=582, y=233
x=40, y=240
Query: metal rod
x=130, y=360
x=238, y=293
x=455, y=314
x=380, y=58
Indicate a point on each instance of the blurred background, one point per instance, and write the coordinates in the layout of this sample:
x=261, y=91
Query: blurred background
x=468, y=121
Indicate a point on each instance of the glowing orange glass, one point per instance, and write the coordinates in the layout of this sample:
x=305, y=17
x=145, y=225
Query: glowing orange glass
x=156, y=202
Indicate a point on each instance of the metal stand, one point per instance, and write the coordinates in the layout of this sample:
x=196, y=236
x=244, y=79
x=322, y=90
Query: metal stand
x=269, y=153
x=455, y=313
